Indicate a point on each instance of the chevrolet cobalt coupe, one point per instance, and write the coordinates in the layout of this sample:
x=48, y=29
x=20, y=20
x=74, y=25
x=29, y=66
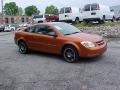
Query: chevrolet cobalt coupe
x=60, y=38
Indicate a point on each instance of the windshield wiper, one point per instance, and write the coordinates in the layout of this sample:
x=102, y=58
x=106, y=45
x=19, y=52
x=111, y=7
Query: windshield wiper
x=75, y=32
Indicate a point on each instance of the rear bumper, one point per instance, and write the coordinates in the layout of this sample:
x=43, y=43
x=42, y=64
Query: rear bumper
x=91, y=19
x=94, y=52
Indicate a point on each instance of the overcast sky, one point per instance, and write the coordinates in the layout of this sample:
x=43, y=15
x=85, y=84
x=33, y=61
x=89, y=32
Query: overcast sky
x=41, y=4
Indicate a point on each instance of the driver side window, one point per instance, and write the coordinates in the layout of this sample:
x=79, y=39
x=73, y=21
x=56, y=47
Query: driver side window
x=46, y=30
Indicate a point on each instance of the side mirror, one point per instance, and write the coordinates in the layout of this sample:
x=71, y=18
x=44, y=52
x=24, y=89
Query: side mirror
x=53, y=34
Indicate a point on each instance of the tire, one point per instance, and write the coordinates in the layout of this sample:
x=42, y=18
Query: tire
x=12, y=29
x=77, y=21
x=113, y=19
x=86, y=21
x=103, y=20
x=70, y=54
x=23, y=49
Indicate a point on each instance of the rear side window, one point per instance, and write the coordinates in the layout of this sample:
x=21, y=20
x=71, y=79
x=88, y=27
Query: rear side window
x=87, y=7
x=62, y=11
x=46, y=30
x=68, y=10
x=94, y=7
x=30, y=29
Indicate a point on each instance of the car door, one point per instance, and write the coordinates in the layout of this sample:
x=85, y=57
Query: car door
x=68, y=13
x=86, y=12
x=29, y=36
x=95, y=11
x=45, y=40
x=62, y=14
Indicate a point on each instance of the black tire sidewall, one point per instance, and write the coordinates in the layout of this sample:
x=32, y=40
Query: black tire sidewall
x=25, y=46
x=77, y=20
x=75, y=51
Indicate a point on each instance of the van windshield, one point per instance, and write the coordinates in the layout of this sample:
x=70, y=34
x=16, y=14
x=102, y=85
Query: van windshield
x=66, y=29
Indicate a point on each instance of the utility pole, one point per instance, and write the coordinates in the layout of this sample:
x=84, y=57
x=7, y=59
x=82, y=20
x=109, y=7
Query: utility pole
x=2, y=11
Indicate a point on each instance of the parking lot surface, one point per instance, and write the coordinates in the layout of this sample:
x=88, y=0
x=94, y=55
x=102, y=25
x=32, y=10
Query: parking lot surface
x=38, y=71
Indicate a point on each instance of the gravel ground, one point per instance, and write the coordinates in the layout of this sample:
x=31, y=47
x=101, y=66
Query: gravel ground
x=38, y=71
x=106, y=31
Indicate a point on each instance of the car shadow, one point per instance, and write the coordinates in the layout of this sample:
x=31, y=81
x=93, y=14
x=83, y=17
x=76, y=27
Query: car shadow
x=91, y=60
x=59, y=57
x=47, y=55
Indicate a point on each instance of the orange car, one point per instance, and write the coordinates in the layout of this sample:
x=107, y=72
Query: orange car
x=60, y=38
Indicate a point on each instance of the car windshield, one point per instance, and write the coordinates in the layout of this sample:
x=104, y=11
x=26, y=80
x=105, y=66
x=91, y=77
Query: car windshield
x=66, y=29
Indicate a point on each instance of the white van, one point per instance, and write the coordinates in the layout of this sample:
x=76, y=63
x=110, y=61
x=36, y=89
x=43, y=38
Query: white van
x=39, y=18
x=70, y=14
x=97, y=12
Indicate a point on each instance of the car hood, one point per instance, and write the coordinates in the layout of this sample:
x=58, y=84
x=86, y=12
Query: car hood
x=86, y=37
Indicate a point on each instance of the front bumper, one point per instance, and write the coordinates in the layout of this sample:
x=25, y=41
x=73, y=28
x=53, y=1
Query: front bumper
x=93, y=52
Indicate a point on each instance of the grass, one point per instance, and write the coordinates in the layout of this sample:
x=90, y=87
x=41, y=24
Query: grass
x=80, y=25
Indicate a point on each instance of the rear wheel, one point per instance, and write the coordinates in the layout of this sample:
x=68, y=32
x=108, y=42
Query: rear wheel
x=70, y=54
x=103, y=20
x=113, y=19
x=23, y=49
x=77, y=20
x=12, y=29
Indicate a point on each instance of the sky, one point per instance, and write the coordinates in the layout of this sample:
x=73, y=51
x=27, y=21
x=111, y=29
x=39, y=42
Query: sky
x=41, y=4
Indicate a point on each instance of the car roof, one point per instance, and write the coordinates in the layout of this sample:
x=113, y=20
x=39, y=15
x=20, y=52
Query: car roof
x=48, y=23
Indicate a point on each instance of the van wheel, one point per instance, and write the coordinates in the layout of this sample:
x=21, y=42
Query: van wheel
x=77, y=20
x=23, y=49
x=113, y=19
x=103, y=19
x=70, y=54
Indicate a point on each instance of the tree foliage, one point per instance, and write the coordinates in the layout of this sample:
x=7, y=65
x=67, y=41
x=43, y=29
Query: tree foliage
x=20, y=11
x=51, y=10
x=30, y=10
x=11, y=9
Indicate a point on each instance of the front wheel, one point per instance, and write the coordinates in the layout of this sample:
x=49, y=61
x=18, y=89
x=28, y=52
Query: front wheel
x=23, y=49
x=70, y=54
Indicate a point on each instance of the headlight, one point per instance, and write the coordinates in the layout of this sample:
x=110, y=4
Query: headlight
x=88, y=44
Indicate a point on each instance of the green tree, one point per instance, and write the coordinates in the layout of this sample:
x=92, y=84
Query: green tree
x=11, y=8
x=31, y=10
x=20, y=11
x=51, y=10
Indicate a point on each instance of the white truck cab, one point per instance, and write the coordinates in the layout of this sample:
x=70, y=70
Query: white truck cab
x=70, y=14
x=97, y=12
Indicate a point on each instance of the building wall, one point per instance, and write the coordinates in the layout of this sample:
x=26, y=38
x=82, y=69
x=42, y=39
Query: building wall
x=15, y=19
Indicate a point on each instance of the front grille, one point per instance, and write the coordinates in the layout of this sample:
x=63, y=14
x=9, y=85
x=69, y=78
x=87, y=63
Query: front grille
x=100, y=42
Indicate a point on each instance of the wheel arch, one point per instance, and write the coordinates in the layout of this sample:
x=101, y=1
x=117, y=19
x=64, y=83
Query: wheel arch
x=20, y=40
x=77, y=18
x=71, y=44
